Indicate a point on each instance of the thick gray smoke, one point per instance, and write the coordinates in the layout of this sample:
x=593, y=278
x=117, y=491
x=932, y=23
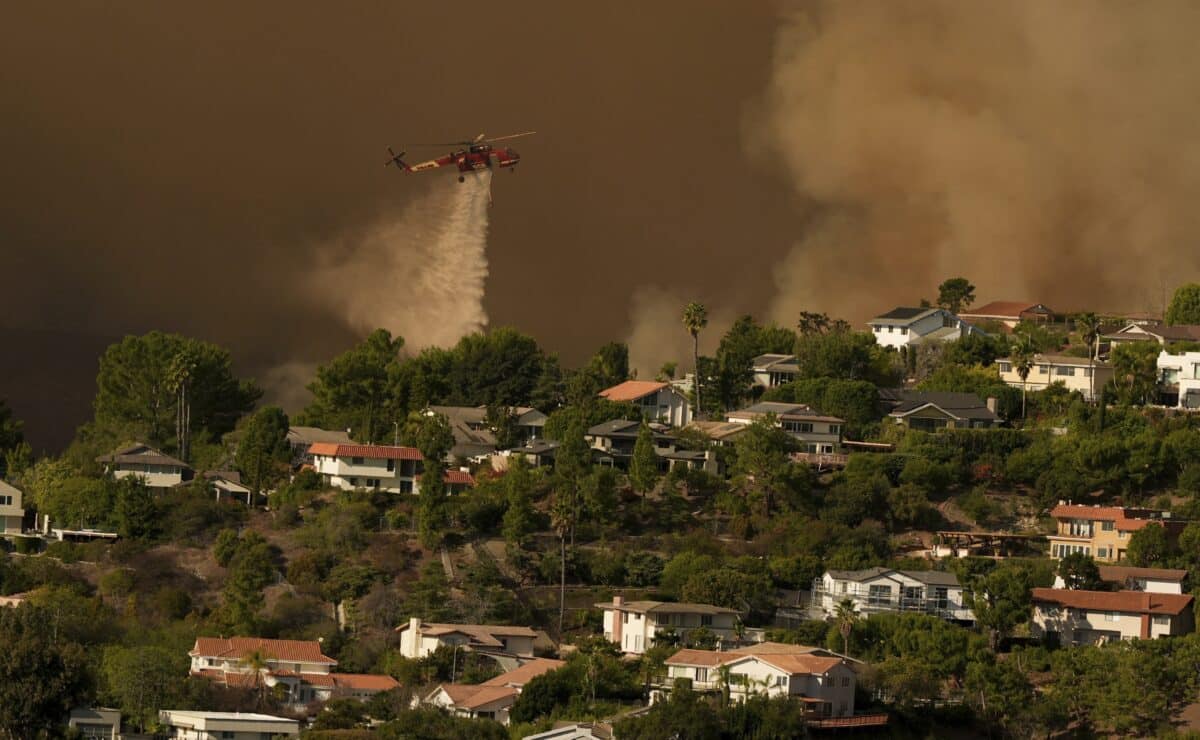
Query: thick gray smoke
x=420, y=274
x=1045, y=150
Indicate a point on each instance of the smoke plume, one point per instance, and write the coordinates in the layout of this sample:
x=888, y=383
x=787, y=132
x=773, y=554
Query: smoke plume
x=420, y=274
x=1045, y=150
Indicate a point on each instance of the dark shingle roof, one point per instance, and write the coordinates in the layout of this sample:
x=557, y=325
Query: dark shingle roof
x=902, y=313
x=962, y=405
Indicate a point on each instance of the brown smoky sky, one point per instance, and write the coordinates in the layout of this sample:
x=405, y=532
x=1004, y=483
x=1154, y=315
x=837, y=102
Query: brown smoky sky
x=214, y=168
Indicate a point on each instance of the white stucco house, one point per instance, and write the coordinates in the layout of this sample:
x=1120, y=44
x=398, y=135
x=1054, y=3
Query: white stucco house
x=657, y=401
x=1179, y=379
x=773, y=370
x=1091, y=617
x=903, y=327
x=875, y=590
x=192, y=725
x=157, y=469
x=11, y=513
x=634, y=625
x=822, y=680
x=419, y=639
x=1088, y=377
x=380, y=467
x=816, y=432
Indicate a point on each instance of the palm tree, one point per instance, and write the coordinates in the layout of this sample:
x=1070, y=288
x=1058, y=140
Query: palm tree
x=257, y=662
x=695, y=318
x=1022, y=359
x=845, y=617
x=1088, y=325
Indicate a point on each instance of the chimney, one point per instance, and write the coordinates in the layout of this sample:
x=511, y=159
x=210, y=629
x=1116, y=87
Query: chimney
x=992, y=404
x=414, y=625
x=618, y=600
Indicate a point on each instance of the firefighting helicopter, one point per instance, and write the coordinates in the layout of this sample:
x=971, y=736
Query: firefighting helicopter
x=469, y=156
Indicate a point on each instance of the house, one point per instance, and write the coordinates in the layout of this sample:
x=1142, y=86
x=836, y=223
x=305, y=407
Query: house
x=876, y=590
x=657, y=401
x=12, y=515
x=722, y=433
x=1075, y=373
x=474, y=439
x=1009, y=313
x=228, y=484
x=904, y=327
x=159, y=470
x=929, y=411
x=305, y=673
x=1091, y=617
x=419, y=639
x=564, y=730
x=634, y=625
x=379, y=467
x=492, y=698
x=613, y=442
x=95, y=724
x=815, y=432
x=538, y=452
x=1179, y=379
x=13, y=600
x=1154, y=580
x=773, y=370
x=300, y=439
x=1163, y=334
x=1103, y=531
x=190, y=725
x=823, y=681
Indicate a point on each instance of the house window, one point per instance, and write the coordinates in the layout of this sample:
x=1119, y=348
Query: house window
x=705, y=620
x=354, y=482
x=1102, y=552
x=625, y=617
x=798, y=427
x=878, y=595
x=1005, y=367
x=356, y=461
x=891, y=329
x=701, y=675
x=1066, y=371
x=903, y=330
x=912, y=595
x=845, y=681
x=1112, y=616
x=1107, y=526
x=1043, y=370
x=941, y=597
x=391, y=465
x=6, y=500
x=781, y=680
x=1162, y=621
x=841, y=587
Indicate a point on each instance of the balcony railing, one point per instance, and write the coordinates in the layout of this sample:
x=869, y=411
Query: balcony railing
x=865, y=601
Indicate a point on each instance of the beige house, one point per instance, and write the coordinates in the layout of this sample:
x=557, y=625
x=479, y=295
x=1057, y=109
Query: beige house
x=11, y=513
x=1009, y=313
x=823, y=681
x=419, y=639
x=1103, y=531
x=298, y=666
x=493, y=698
x=634, y=625
x=1091, y=617
x=157, y=469
x=1075, y=373
x=1161, y=333
x=929, y=411
x=96, y=724
x=814, y=431
x=1153, y=580
x=189, y=725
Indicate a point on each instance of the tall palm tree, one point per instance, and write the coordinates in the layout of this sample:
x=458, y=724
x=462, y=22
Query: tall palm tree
x=256, y=661
x=1022, y=360
x=845, y=616
x=695, y=318
x=1088, y=325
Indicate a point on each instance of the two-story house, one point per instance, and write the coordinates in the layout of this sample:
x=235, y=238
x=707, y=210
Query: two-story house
x=1154, y=580
x=157, y=469
x=1179, y=379
x=1090, y=617
x=634, y=625
x=11, y=513
x=903, y=327
x=660, y=402
x=814, y=431
x=1081, y=374
x=612, y=444
x=929, y=411
x=419, y=639
x=1103, y=531
x=876, y=590
x=1009, y=313
x=773, y=370
x=305, y=673
x=824, y=682
x=379, y=467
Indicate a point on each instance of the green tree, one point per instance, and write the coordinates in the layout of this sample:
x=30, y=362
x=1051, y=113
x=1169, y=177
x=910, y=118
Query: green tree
x=519, y=517
x=845, y=617
x=1135, y=372
x=999, y=692
x=1001, y=601
x=695, y=318
x=1022, y=360
x=354, y=391
x=1185, y=305
x=41, y=676
x=643, y=468
x=252, y=567
x=762, y=467
x=137, y=395
x=1149, y=547
x=12, y=436
x=1088, y=326
x=141, y=680
x=137, y=514
x=1079, y=572
x=955, y=294
x=263, y=452
x=844, y=354
x=434, y=440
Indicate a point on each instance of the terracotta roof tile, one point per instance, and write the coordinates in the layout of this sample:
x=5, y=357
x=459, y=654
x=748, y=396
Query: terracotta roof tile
x=296, y=651
x=518, y=677
x=632, y=390
x=1127, y=520
x=472, y=697
x=374, y=452
x=1138, y=602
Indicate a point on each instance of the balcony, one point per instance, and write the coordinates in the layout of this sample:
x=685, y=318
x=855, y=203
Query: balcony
x=868, y=603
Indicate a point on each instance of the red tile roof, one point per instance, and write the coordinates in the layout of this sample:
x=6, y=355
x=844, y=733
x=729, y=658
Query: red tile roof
x=374, y=452
x=1127, y=520
x=789, y=660
x=294, y=651
x=1137, y=602
x=456, y=477
x=632, y=390
x=518, y=677
x=351, y=681
x=474, y=696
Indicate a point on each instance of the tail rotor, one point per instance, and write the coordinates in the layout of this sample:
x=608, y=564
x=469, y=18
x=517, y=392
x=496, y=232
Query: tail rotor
x=396, y=159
